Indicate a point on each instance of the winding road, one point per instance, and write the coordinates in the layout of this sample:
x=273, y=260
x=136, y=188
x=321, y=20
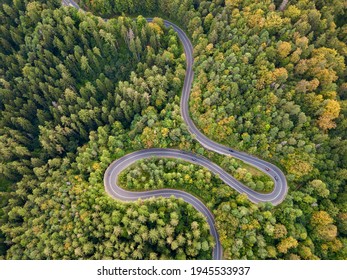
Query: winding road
x=111, y=174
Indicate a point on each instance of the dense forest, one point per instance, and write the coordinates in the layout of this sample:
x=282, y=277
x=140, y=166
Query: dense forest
x=77, y=92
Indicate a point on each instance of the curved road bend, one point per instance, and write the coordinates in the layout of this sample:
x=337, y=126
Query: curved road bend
x=112, y=172
x=116, y=167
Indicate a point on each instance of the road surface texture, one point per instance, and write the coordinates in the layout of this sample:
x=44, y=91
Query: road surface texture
x=111, y=174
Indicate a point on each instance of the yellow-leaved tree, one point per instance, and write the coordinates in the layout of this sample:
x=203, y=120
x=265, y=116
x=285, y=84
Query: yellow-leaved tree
x=331, y=112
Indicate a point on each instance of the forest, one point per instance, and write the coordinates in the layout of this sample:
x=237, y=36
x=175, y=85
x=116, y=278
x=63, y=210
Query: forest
x=77, y=92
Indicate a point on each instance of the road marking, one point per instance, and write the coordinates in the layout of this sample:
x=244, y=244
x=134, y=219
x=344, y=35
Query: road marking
x=280, y=187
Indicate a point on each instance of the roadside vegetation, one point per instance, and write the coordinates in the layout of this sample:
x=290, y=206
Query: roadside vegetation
x=77, y=93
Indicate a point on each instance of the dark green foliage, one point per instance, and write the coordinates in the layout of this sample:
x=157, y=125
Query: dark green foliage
x=63, y=75
x=5, y=195
x=77, y=92
x=176, y=174
x=273, y=84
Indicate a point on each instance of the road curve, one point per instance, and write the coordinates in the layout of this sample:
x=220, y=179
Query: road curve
x=111, y=175
x=114, y=190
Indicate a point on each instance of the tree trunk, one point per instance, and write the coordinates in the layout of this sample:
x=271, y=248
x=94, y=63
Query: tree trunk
x=283, y=5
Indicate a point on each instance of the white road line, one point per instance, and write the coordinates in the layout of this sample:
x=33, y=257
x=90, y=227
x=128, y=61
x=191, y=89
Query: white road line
x=114, y=169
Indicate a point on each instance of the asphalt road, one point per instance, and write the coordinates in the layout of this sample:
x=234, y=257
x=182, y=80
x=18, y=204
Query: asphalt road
x=112, y=172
